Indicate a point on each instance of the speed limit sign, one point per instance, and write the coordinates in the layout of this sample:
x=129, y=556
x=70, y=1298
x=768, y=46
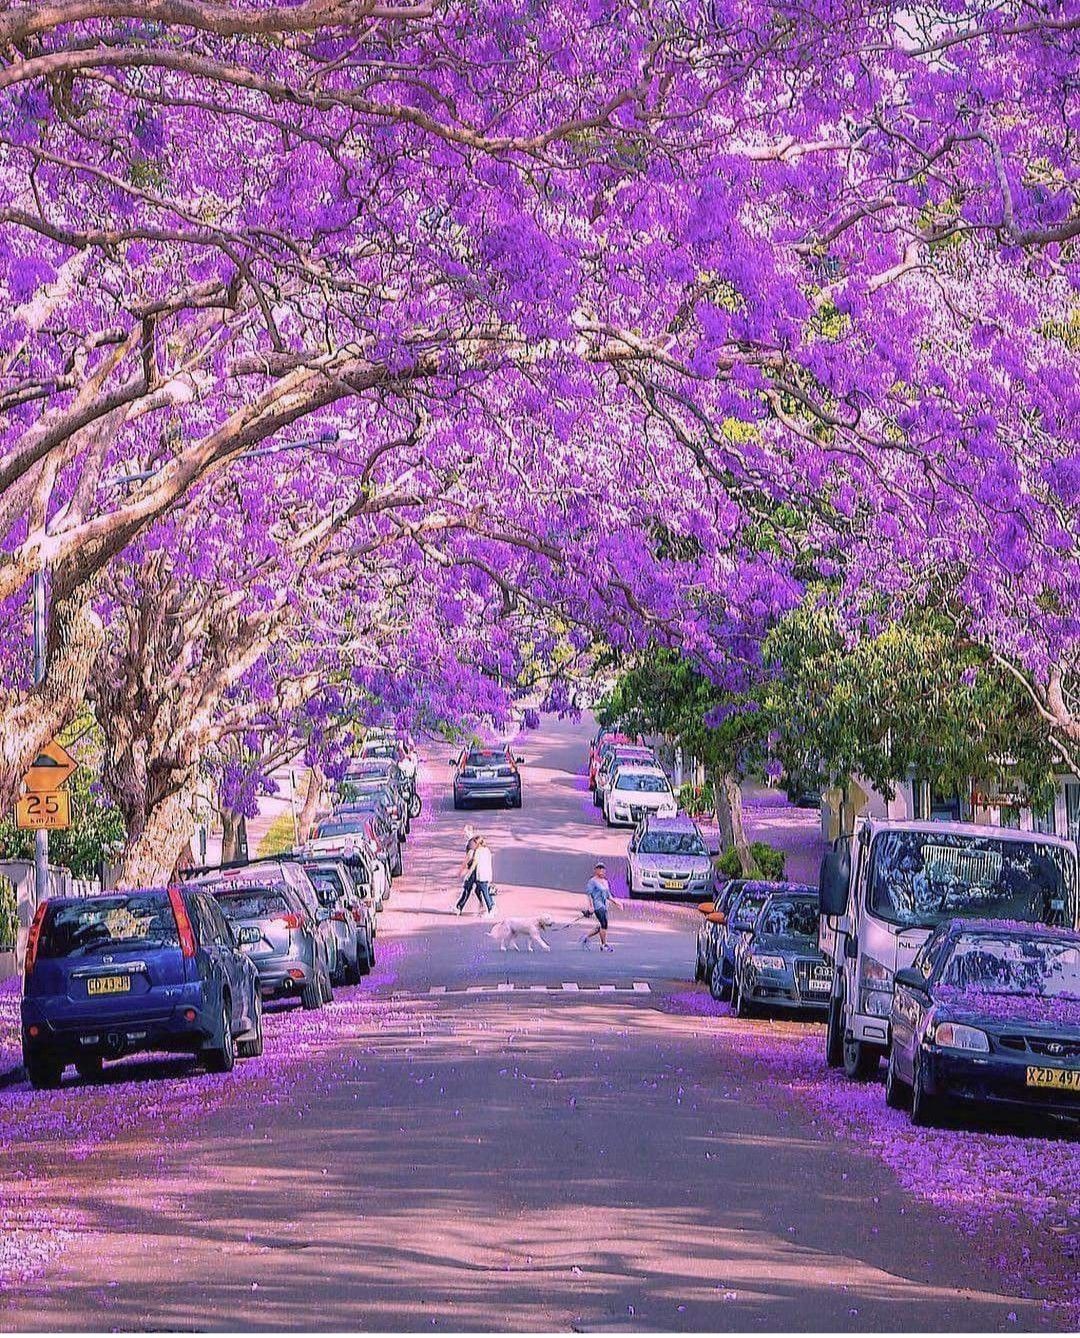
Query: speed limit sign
x=48, y=810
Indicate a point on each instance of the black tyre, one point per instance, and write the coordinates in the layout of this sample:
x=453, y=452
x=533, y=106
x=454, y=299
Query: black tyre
x=834, y=1034
x=221, y=1057
x=89, y=1067
x=925, y=1109
x=365, y=956
x=42, y=1070
x=860, y=1060
x=458, y=803
x=743, y=1008
x=252, y=1047
x=327, y=988
x=311, y=996
x=719, y=988
x=398, y=867
x=897, y=1092
x=416, y=806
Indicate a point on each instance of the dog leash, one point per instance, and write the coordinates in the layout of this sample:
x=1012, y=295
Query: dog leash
x=585, y=915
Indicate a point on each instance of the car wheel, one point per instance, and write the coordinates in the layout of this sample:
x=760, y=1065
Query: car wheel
x=221, y=1057
x=397, y=868
x=89, y=1067
x=897, y=1092
x=327, y=988
x=365, y=957
x=629, y=881
x=458, y=803
x=925, y=1109
x=311, y=996
x=834, y=1033
x=43, y=1071
x=743, y=1008
x=718, y=986
x=252, y=1047
x=860, y=1060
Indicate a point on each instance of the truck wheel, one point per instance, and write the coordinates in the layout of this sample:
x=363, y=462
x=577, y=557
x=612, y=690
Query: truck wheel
x=860, y=1060
x=834, y=1034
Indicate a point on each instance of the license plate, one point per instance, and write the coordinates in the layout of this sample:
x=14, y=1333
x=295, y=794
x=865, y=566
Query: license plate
x=670, y=882
x=486, y=775
x=1063, y=1079
x=819, y=984
x=108, y=984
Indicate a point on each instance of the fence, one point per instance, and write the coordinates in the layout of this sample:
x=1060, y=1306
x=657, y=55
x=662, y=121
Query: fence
x=20, y=875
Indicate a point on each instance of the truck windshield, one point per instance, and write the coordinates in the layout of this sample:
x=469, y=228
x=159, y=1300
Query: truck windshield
x=922, y=878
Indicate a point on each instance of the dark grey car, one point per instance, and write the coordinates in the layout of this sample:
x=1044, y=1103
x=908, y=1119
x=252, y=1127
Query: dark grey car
x=281, y=936
x=372, y=809
x=351, y=918
x=485, y=776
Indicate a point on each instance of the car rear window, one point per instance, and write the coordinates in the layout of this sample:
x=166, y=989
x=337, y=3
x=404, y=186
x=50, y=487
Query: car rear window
x=341, y=826
x=141, y=918
x=328, y=884
x=251, y=903
x=485, y=758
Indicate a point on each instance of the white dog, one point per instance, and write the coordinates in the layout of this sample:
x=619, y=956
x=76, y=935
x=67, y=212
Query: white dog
x=507, y=932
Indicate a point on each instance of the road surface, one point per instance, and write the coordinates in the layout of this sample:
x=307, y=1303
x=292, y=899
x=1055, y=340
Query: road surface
x=483, y=1140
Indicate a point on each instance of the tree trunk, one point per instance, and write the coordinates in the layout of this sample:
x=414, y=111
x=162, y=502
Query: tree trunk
x=727, y=797
x=232, y=824
x=312, y=798
x=152, y=856
x=30, y=719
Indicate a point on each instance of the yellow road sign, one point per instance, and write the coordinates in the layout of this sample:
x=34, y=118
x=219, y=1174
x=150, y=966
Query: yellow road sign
x=48, y=810
x=50, y=769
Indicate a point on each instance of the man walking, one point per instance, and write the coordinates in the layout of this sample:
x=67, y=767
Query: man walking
x=598, y=890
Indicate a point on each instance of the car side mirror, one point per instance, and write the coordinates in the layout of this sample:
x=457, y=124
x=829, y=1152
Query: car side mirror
x=911, y=979
x=717, y=918
x=834, y=879
x=706, y=907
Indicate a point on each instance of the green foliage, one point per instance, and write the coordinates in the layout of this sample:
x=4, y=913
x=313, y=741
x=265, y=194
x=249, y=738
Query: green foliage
x=769, y=860
x=96, y=834
x=912, y=699
x=279, y=838
x=9, y=919
x=696, y=798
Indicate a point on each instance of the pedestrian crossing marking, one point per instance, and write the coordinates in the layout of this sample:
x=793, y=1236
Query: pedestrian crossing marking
x=566, y=987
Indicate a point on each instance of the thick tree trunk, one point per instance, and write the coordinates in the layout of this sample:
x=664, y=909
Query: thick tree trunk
x=233, y=835
x=312, y=798
x=28, y=720
x=152, y=856
x=729, y=816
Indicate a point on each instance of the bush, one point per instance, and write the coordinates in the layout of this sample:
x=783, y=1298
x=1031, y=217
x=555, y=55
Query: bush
x=9, y=915
x=769, y=860
x=279, y=839
x=696, y=799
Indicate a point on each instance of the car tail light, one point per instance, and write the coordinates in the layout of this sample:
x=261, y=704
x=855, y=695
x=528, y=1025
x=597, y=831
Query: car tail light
x=358, y=916
x=34, y=936
x=289, y=921
x=190, y=1015
x=183, y=923
x=340, y=917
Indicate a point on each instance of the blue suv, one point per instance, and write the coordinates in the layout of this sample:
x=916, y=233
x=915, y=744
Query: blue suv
x=154, y=969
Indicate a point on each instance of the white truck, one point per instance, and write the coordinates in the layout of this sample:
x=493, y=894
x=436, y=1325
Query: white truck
x=885, y=888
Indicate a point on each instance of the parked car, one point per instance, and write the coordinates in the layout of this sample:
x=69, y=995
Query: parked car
x=987, y=1018
x=348, y=836
x=742, y=910
x=292, y=948
x=351, y=918
x=714, y=917
x=380, y=826
x=636, y=791
x=598, y=742
x=394, y=801
x=154, y=969
x=779, y=965
x=487, y=775
x=668, y=859
x=611, y=758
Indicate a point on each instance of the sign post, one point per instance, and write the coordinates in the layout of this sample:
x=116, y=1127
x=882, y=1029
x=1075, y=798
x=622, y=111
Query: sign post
x=45, y=807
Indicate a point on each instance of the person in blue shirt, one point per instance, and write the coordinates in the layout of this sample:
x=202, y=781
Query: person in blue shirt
x=598, y=891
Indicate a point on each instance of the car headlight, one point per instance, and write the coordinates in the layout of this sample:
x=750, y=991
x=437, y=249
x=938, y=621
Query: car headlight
x=957, y=1036
x=765, y=963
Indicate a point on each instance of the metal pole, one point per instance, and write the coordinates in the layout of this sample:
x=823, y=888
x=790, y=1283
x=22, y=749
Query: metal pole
x=41, y=839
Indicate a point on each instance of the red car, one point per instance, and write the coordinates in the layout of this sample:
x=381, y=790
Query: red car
x=596, y=744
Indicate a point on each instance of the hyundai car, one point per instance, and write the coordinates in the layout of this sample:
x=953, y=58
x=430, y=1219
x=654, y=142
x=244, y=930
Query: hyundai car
x=156, y=969
x=987, y=1018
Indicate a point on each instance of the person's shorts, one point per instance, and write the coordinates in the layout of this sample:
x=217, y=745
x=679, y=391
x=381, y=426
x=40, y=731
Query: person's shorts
x=601, y=916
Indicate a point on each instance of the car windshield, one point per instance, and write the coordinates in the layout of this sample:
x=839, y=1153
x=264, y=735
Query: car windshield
x=145, y=917
x=328, y=884
x=343, y=826
x=381, y=748
x=487, y=758
x=748, y=904
x=673, y=843
x=923, y=878
x=251, y=903
x=1013, y=965
x=790, y=919
x=640, y=780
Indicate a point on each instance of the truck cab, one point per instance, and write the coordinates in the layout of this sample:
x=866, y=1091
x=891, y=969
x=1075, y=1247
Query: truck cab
x=883, y=891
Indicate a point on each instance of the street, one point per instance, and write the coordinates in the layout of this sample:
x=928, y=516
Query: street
x=484, y=1140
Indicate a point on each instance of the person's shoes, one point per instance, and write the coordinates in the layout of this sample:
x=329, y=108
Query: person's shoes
x=606, y=947
x=457, y=910
x=585, y=943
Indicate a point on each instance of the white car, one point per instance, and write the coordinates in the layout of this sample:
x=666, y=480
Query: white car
x=668, y=858
x=635, y=791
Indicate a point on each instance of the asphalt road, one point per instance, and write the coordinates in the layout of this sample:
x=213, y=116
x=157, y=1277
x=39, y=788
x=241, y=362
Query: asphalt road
x=438, y=1152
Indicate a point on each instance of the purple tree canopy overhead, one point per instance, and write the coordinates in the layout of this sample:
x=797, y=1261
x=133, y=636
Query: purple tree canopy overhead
x=518, y=269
